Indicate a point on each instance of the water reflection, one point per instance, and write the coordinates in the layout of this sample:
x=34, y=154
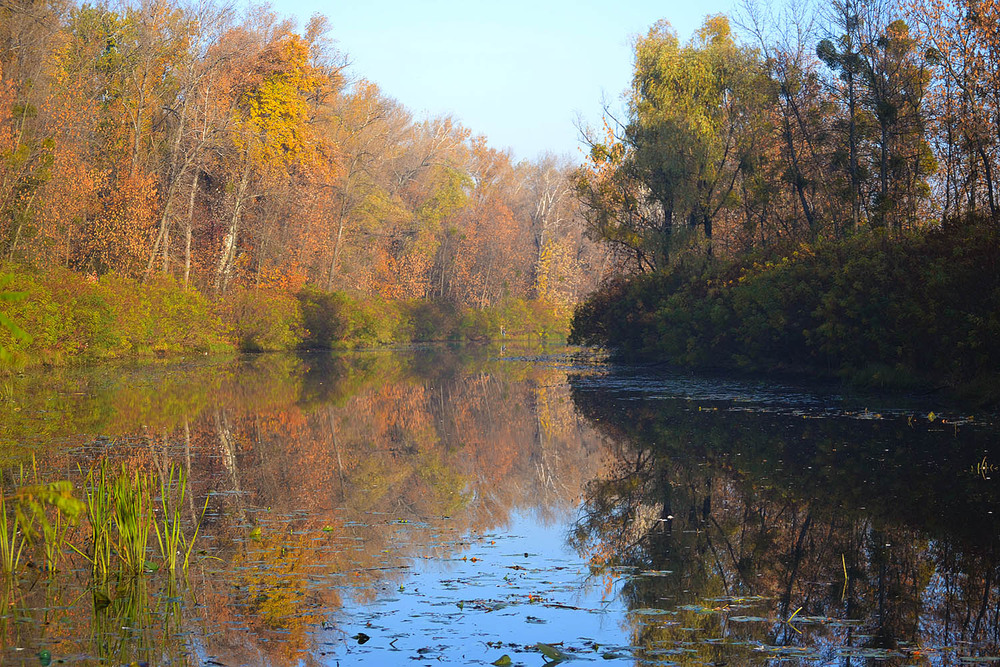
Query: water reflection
x=415, y=505
x=327, y=476
x=767, y=533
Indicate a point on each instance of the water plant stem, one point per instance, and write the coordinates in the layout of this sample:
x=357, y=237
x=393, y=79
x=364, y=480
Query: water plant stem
x=131, y=512
x=11, y=541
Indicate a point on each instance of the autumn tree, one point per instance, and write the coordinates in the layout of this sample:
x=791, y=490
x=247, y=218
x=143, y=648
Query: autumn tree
x=363, y=130
x=693, y=129
x=228, y=148
x=960, y=41
x=881, y=85
x=269, y=135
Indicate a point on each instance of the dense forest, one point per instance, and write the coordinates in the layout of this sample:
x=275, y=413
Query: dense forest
x=798, y=188
x=213, y=151
x=808, y=189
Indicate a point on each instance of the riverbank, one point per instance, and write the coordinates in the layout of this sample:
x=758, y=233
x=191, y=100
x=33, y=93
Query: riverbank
x=66, y=317
x=917, y=310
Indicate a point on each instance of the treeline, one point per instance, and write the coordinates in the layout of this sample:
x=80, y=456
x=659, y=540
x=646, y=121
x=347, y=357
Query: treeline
x=863, y=130
x=230, y=150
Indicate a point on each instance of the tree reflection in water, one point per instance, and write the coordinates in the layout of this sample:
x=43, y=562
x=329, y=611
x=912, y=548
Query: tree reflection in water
x=739, y=505
x=326, y=475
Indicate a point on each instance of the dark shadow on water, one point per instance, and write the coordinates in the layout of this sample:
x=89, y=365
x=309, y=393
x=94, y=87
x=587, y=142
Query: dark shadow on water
x=878, y=534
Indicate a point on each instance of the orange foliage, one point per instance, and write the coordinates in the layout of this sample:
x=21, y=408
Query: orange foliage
x=230, y=151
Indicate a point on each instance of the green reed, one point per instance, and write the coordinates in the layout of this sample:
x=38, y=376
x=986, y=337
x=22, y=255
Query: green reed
x=11, y=540
x=131, y=503
x=120, y=508
x=170, y=535
x=46, y=512
x=98, y=491
x=169, y=527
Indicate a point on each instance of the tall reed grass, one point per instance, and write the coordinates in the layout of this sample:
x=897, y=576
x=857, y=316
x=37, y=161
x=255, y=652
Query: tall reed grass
x=11, y=540
x=131, y=505
x=168, y=526
x=100, y=515
x=45, y=512
x=121, y=508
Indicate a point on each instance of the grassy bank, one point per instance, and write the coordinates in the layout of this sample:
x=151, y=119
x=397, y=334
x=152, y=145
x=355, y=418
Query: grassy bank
x=918, y=310
x=67, y=317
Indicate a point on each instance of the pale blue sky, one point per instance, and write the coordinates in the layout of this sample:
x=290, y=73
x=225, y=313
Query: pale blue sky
x=518, y=71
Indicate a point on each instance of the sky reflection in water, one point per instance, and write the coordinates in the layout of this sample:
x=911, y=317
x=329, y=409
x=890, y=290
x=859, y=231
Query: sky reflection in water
x=378, y=507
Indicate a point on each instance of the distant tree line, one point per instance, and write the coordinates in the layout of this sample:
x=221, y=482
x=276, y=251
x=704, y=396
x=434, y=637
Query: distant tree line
x=229, y=149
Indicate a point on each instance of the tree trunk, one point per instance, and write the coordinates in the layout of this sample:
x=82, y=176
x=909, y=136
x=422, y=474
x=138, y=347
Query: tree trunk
x=166, y=251
x=224, y=269
x=187, y=230
x=336, y=250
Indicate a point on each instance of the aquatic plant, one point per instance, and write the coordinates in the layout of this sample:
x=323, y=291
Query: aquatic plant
x=100, y=514
x=45, y=512
x=169, y=535
x=11, y=540
x=36, y=513
x=169, y=532
x=132, y=518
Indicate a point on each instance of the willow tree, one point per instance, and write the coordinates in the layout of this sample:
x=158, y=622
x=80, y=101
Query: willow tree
x=695, y=118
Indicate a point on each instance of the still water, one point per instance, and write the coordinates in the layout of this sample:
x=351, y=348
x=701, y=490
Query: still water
x=454, y=506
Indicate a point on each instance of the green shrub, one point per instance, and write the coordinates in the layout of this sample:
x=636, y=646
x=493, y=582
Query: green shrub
x=338, y=320
x=262, y=320
x=479, y=325
x=69, y=316
x=325, y=316
x=160, y=317
x=431, y=321
x=373, y=322
x=887, y=311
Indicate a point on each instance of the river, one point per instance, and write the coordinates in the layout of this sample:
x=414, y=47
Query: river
x=456, y=505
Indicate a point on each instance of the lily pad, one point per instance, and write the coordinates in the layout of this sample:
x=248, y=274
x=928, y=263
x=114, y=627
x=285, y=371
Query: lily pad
x=551, y=652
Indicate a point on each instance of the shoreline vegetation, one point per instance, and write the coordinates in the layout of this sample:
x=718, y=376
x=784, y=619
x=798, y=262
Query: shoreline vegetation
x=902, y=312
x=63, y=317
x=181, y=179
x=807, y=190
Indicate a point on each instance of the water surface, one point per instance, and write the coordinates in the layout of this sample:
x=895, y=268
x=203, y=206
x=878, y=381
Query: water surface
x=451, y=506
